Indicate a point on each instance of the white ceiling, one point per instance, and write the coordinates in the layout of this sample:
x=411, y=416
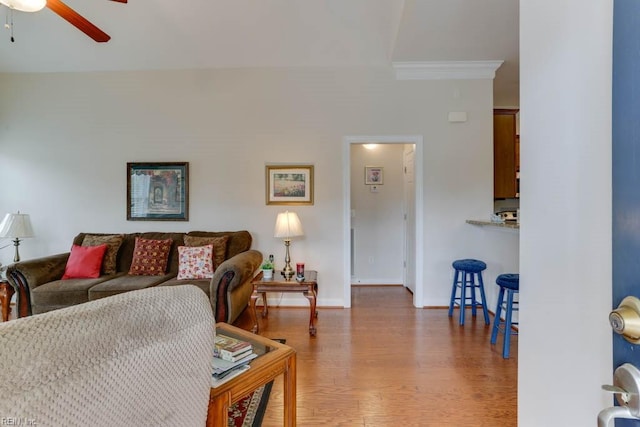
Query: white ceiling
x=162, y=34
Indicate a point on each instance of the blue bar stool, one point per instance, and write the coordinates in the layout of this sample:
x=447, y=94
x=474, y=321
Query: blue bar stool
x=511, y=284
x=464, y=278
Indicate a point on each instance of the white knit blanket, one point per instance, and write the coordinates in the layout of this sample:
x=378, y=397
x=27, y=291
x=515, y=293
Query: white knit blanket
x=142, y=358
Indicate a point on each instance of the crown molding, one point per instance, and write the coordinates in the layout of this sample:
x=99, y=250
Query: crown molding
x=446, y=70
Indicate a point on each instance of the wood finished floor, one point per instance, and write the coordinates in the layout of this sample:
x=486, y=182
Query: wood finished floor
x=385, y=363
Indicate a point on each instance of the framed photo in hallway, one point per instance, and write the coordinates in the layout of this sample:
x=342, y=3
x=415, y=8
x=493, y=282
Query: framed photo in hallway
x=289, y=185
x=158, y=191
x=373, y=175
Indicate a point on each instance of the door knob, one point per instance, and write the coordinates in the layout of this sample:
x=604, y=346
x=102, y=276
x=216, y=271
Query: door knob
x=625, y=320
x=626, y=387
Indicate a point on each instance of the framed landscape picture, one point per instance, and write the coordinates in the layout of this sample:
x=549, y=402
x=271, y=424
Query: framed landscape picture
x=289, y=184
x=158, y=191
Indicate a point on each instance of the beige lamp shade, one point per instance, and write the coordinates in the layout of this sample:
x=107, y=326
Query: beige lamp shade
x=16, y=225
x=25, y=5
x=288, y=225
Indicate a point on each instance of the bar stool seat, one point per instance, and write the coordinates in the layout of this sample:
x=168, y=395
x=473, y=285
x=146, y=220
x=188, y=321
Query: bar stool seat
x=509, y=280
x=509, y=283
x=468, y=277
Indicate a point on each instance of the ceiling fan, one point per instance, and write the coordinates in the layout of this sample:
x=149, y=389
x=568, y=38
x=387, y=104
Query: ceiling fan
x=73, y=17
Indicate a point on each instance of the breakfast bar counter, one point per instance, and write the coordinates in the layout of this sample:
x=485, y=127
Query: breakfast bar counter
x=507, y=224
x=498, y=245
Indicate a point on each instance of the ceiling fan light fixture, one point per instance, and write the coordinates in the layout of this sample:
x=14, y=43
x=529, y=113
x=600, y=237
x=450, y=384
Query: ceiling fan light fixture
x=25, y=5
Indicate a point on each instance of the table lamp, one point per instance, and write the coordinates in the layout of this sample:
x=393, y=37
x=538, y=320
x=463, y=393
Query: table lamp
x=287, y=226
x=16, y=226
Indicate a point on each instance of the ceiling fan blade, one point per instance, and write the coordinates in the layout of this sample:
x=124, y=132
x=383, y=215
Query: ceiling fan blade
x=78, y=21
x=120, y=1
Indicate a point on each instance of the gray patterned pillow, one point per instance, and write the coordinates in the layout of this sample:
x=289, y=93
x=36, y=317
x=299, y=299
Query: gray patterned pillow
x=113, y=242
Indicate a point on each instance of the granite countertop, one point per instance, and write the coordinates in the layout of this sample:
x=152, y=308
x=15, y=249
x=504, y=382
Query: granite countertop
x=507, y=224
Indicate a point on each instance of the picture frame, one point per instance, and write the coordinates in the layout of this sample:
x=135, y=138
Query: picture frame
x=158, y=191
x=289, y=185
x=373, y=175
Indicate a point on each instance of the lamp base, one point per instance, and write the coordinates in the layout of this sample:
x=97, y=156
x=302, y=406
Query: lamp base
x=16, y=243
x=287, y=271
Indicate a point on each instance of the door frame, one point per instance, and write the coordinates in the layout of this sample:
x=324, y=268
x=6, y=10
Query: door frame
x=417, y=140
x=405, y=220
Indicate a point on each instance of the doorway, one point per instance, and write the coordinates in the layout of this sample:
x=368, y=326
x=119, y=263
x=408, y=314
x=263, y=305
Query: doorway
x=412, y=228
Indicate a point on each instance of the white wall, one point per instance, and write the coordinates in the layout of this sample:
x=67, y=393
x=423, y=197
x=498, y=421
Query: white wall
x=378, y=217
x=65, y=140
x=565, y=342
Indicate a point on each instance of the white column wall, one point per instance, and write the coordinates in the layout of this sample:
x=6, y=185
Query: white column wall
x=565, y=236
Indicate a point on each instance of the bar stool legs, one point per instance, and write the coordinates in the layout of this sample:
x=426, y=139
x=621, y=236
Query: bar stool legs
x=468, y=278
x=509, y=283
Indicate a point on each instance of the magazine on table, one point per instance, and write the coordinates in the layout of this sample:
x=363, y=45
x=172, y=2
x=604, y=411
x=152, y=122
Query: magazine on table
x=221, y=365
x=217, y=381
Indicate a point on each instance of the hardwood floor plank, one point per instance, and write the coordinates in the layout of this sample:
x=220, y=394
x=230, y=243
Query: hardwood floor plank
x=385, y=363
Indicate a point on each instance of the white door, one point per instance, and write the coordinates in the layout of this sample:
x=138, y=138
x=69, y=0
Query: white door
x=409, y=273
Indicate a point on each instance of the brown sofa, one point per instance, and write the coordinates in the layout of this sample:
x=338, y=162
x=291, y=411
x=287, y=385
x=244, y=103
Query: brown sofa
x=40, y=287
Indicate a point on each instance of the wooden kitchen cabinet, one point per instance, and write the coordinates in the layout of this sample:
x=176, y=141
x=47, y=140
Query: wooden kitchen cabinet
x=505, y=154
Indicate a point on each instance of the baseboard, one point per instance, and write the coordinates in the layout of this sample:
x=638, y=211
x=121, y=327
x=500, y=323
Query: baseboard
x=356, y=281
x=355, y=285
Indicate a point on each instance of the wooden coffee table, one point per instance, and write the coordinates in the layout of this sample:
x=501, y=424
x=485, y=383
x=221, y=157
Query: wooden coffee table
x=308, y=287
x=274, y=359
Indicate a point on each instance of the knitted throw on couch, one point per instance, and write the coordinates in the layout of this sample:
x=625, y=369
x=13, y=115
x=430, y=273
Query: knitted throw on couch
x=141, y=358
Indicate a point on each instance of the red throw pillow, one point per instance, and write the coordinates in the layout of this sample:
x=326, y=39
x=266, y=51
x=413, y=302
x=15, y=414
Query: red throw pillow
x=84, y=262
x=150, y=257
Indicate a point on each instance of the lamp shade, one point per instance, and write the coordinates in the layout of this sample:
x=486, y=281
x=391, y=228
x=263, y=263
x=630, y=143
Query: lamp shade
x=288, y=225
x=25, y=5
x=16, y=225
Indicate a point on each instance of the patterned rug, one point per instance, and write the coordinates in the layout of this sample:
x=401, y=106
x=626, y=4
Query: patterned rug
x=249, y=411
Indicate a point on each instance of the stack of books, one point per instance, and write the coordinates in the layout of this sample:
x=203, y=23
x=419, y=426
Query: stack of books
x=231, y=358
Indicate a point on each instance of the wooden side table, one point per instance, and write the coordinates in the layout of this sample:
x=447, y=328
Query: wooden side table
x=274, y=359
x=308, y=287
x=6, y=292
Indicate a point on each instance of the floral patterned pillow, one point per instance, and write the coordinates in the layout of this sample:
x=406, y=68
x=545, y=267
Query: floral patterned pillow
x=195, y=262
x=219, y=246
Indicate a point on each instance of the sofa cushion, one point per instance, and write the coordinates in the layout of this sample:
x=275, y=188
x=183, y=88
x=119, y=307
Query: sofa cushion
x=150, y=257
x=195, y=262
x=219, y=246
x=61, y=293
x=113, y=242
x=124, y=283
x=84, y=262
